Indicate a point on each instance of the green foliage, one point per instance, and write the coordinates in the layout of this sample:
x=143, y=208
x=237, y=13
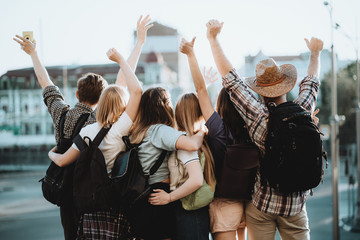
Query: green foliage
x=346, y=94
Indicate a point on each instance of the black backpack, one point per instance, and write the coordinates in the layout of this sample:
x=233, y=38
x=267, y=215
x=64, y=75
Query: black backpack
x=129, y=182
x=91, y=181
x=95, y=190
x=293, y=160
x=57, y=184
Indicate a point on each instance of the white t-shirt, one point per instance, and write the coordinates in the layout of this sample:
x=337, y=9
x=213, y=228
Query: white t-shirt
x=112, y=143
x=187, y=156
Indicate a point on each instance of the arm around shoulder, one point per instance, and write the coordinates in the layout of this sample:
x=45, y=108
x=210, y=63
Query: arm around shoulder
x=190, y=143
x=65, y=159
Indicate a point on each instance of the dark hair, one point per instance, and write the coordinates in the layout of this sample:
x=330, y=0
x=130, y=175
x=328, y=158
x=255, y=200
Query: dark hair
x=155, y=108
x=90, y=86
x=231, y=117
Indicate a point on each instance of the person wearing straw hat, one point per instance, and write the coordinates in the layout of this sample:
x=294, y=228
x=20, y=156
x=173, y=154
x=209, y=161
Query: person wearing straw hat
x=269, y=210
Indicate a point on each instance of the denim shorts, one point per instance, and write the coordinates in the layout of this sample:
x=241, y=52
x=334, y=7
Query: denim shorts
x=192, y=225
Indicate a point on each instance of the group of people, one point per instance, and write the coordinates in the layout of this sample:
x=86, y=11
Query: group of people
x=150, y=120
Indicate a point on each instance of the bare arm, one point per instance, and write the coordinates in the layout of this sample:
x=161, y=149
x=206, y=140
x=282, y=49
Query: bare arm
x=142, y=27
x=132, y=82
x=222, y=63
x=65, y=159
x=315, y=46
x=195, y=180
x=207, y=108
x=190, y=143
x=40, y=71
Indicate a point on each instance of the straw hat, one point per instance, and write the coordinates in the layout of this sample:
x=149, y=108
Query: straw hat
x=272, y=80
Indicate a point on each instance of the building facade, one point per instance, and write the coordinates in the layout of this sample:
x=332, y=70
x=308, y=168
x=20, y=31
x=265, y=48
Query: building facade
x=24, y=120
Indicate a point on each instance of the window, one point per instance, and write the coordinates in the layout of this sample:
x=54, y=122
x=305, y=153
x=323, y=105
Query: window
x=37, y=129
x=27, y=129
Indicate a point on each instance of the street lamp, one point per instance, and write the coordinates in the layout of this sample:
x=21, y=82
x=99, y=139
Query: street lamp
x=334, y=130
x=354, y=225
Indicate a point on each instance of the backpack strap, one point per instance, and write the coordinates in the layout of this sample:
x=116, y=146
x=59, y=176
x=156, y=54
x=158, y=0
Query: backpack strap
x=158, y=162
x=271, y=106
x=62, y=124
x=100, y=136
x=81, y=144
x=79, y=124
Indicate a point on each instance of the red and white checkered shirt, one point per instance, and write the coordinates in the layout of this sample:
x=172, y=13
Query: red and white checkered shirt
x=255, y=114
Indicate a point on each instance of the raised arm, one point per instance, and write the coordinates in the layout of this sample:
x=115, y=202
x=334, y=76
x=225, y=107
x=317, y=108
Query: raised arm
x=65, y=159
x=142, y=27
x=195, y=180
x=132, y=82
x=315, y=46
x=222, y=63
x=207, y=108
x=40, y=71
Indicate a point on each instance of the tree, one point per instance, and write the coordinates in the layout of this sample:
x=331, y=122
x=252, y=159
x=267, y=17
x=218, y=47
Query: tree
x=346, y=102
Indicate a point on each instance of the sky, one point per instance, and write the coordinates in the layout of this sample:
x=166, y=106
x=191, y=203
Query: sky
x=81, y=31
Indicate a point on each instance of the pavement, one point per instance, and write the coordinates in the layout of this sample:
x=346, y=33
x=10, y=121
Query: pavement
x=25, y=214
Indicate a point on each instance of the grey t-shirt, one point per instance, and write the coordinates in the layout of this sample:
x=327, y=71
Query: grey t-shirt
x=159, y=137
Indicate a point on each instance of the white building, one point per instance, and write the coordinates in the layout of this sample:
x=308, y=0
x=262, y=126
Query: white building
x=24, y=120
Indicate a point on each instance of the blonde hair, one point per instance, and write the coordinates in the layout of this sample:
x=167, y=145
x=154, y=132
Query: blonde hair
x=154, y=108
x=187, y=115
x=111, y=105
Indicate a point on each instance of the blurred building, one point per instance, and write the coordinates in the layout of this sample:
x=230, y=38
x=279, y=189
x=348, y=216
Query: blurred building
x=162, y=48
x=24, y=120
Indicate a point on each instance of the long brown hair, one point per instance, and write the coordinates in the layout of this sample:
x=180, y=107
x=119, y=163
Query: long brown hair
x=155, y=108
x=231, y=117
x=111, y=105
x=187, y=115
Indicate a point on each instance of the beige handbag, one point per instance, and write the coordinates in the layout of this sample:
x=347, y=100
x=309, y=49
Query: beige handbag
x=178, y=173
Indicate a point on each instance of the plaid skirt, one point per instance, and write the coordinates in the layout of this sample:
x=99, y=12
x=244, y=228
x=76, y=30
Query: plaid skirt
x=104, y=225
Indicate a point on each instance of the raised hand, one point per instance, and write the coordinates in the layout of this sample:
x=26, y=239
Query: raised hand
x=187, y=47
x=213, y=28
x=142, y=27
x=315, y=44
x=26, y=45
x=114, y=55
x=209, y=77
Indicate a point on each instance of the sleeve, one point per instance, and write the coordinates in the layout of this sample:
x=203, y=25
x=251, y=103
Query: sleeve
x=120, y=128
x=308, y=91
x=187, y=156
x=55, y=103
x=248, y=106
x=165, y=137
x=216, y=127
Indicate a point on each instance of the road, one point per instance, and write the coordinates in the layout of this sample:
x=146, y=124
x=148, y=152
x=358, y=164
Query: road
x=25, y=215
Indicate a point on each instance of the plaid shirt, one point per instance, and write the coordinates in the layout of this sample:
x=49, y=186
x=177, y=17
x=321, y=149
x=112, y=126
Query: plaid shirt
x=255, y=114
x=56, y=105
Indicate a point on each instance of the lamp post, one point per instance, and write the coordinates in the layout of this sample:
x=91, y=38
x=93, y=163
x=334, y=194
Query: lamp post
x=355, y=224
x=334, y=131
